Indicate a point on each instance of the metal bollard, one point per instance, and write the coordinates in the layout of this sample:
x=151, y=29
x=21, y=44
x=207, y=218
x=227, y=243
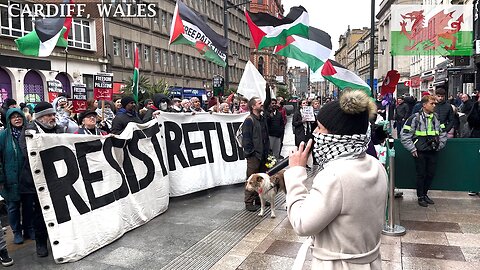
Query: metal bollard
x=390, y=228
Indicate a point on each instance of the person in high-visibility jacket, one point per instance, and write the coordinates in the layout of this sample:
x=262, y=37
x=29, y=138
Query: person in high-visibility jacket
x=423, y=135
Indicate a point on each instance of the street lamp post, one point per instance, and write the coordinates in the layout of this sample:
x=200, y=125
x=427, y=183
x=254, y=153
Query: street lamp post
x=372, y=41
x=226, y=6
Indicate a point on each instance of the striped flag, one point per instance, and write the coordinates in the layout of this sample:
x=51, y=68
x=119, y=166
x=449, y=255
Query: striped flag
x=343, y=78
x=269, y=31
x=136, y=76
x=47, y=33
x=190, y=29
x=313, y=51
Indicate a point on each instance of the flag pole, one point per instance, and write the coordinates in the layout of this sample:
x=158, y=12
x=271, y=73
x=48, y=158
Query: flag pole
x=66, y=60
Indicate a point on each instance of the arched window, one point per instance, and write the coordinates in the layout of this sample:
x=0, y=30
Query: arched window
x=63, y=78
x=260, y=65
x=33, y=87
x=5, y=86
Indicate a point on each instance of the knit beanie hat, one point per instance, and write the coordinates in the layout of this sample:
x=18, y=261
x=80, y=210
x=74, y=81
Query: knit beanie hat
x=9, y=102
x=126, y=100
x=43, y=108
x=349, y=115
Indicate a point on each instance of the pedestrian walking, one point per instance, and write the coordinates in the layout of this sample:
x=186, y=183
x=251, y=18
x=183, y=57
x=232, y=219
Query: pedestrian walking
x=423, y=135
x=344, y=211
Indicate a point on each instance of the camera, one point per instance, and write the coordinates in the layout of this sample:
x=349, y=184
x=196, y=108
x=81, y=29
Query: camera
x=433, y=142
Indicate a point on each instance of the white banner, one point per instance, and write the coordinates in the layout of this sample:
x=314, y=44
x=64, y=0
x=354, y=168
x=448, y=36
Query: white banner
x=202, y=151
x=93, y=189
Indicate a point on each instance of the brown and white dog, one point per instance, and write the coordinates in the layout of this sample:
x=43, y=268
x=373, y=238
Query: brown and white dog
x=267, y=188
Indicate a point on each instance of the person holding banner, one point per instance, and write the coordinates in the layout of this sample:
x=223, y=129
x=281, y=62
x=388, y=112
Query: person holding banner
x=19, y=206
x=125, y=115
x=44, y=123
x=344, y=211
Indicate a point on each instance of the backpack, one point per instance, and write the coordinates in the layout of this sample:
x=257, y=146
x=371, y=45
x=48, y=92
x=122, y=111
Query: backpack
x=239, y=134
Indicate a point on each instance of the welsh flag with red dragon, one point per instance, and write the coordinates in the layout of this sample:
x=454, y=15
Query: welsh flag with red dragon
x=190, y=29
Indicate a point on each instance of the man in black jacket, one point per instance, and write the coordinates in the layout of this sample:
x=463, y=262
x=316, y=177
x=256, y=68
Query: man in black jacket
x=125, y=115
x=444, y=110
x=401, y=114
x=467, y=104
x=44, y=123
x=276, y=128
x=255, y=144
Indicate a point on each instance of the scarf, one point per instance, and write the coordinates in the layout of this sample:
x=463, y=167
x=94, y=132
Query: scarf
x=329, y=147
x=16, y=132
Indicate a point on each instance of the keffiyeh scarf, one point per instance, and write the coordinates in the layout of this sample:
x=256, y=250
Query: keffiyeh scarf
x=329, y=147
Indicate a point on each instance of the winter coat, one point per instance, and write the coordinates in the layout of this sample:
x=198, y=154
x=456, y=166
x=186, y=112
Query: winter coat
x=334, y=211
x=26, y=179
x=12, y=161
x=122, y=119
x=445, y=115
x=419, y=131
x=302, y=130
x=255, y=139
x=401, y=113
x=466, y=107
x=276, y=127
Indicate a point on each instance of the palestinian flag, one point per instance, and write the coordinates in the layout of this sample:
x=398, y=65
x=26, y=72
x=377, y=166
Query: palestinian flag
x=313, y=51
x=47, y=33
x=343, y=78
x=269, y=31
x=136, y=75
x=190, y=29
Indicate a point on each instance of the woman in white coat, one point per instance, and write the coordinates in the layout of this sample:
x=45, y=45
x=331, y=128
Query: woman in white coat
x=345, y=209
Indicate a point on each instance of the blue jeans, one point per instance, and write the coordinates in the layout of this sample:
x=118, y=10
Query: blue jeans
x=25, y=220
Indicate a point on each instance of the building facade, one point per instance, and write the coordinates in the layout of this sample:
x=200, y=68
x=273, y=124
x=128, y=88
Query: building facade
x=180, y=66
x=25, y=78
x=298, y=81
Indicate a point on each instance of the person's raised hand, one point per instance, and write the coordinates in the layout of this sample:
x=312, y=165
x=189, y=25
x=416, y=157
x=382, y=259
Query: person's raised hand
x=300, y=156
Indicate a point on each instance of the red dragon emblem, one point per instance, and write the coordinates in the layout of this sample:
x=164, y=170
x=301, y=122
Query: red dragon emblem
x=436, y=30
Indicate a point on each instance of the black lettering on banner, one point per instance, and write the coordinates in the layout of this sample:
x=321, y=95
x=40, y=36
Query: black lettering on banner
x=61, y=187
x=206, y=127
x=189, y=146
x=89, y=178
x=241, y=154
x=130, y=172
x=108, y=145
x=173, y=146
x=223, y=149
x=135, y=151
x=152, y=132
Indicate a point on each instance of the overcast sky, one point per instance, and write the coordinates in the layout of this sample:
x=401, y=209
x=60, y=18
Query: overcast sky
x=333, y=17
